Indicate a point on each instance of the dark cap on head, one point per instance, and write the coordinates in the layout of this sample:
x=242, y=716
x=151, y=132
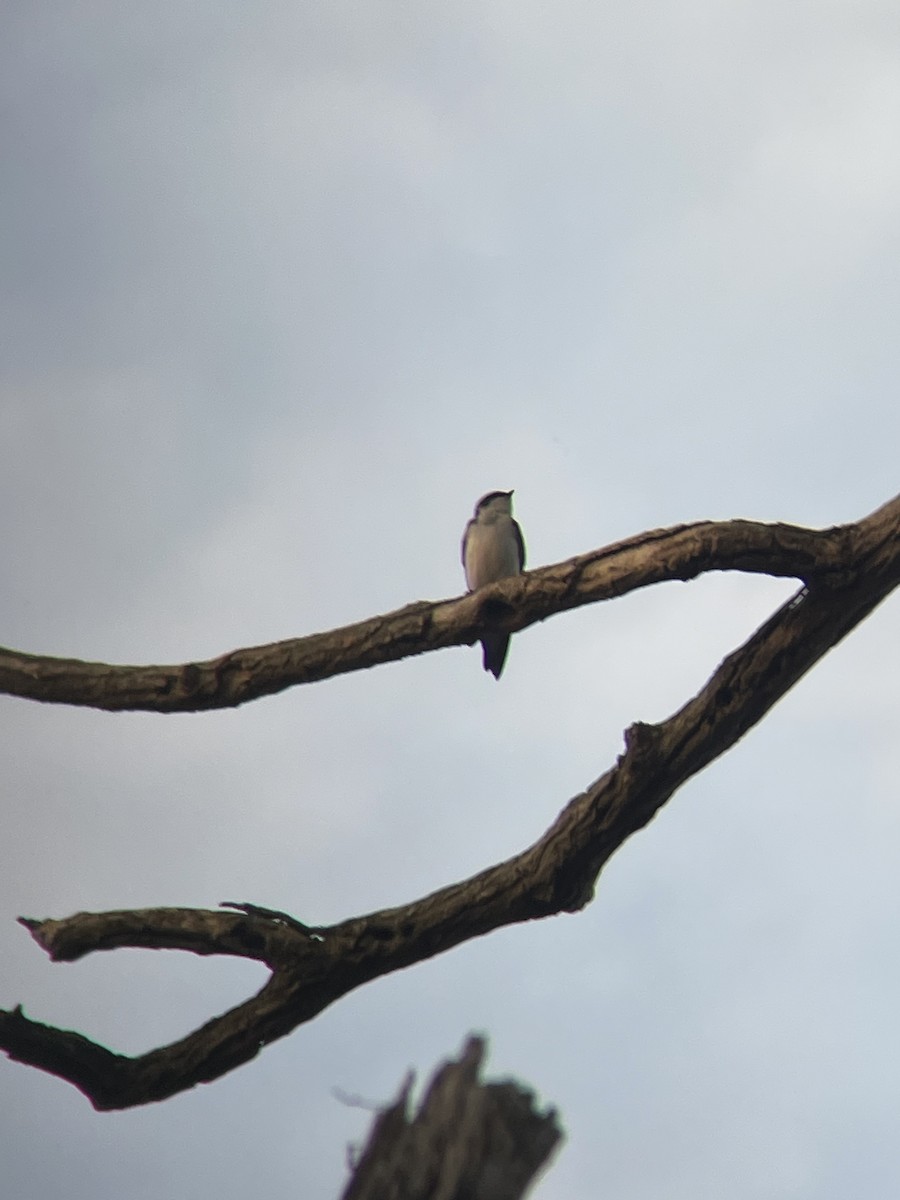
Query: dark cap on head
x=489, y=496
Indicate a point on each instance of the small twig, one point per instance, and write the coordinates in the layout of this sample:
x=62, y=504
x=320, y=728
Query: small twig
x=313, y=932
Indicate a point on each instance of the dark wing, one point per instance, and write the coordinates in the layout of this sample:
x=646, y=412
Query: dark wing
x=465, y=538
x=520, y=543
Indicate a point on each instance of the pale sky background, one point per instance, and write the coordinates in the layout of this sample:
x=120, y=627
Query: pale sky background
x=284, y=288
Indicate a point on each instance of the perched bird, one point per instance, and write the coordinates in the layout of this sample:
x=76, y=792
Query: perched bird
x=492, y=548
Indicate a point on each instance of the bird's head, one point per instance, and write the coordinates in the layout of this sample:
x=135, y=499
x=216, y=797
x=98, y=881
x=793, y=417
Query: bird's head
x=494, y=504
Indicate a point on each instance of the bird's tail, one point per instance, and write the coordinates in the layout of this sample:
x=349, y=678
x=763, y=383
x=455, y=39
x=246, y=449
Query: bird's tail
x=495, y=648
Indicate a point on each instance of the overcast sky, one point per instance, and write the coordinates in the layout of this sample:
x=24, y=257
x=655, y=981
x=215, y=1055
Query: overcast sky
x=284, y=288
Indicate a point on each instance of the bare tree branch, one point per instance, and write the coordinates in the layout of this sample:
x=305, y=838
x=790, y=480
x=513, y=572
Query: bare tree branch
x=314, y=966
x=682, y=552
x=484, y=1141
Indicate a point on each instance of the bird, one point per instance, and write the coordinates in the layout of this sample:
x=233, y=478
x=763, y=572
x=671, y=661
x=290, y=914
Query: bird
x=492, y=548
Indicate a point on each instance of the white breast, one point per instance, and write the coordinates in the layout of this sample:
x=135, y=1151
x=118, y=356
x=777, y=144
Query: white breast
x=491, y=553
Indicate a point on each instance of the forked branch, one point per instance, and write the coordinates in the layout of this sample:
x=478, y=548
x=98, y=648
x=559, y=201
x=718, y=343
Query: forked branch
x=313, y=967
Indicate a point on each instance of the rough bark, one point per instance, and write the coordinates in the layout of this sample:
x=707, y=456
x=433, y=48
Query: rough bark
x=682, y=552
x=468, y=1141
x=847, y=572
